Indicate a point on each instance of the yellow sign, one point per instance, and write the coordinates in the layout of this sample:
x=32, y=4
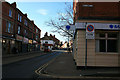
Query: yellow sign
x=30, y=41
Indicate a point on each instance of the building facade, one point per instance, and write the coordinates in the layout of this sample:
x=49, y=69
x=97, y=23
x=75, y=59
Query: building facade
x=49, y=42
x=97, y=34
x=18, y=31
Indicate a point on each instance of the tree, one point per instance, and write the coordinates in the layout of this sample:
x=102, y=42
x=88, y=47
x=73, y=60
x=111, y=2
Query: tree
x=62, y=21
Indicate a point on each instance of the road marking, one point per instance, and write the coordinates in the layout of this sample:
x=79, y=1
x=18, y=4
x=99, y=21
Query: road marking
x=39, y=72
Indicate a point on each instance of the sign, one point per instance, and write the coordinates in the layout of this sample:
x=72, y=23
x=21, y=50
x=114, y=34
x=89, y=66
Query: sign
x=30, y=41
x=67, y=27
x=90, y=32
x=90, y=28
x=114, y=26
x=25, y=40
x=19, y=38
x=101, y=26
x=34, y=41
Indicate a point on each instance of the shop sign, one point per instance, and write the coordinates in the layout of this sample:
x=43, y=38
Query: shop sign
x=102, y=26
x=25, y=40
x=30, y=41
x=34, y=41
x=114, y=26
x=90, y=32
x=19, y=38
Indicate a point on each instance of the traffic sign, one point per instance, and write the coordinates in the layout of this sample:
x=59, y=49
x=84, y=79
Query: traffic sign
x=90, y=32
x=90, y=28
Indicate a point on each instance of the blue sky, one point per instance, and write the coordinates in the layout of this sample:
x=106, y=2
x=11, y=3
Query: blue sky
x=41, y=12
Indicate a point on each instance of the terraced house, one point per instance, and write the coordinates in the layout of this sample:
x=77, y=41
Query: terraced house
x=18, y=31
x=97, y=34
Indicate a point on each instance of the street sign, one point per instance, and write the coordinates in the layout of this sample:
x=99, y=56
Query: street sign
x=67, y=27
x=90, y=32
x=90, y=28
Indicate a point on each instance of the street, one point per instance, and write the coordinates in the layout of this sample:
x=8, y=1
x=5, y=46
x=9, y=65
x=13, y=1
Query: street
x=26, y=68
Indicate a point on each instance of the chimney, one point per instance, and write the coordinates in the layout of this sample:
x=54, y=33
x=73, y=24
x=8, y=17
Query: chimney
x=32, y=21
x=14, y=4
x=25, y=14
x=54, y=36
x=50, y=34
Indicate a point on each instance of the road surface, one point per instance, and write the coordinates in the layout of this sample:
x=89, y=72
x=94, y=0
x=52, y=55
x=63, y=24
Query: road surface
x=26, y=68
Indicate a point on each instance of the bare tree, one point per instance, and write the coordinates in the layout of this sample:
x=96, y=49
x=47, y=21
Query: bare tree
x=58, y=24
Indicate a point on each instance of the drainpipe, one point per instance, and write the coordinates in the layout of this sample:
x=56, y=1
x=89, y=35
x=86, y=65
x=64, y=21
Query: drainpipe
x=86, y=50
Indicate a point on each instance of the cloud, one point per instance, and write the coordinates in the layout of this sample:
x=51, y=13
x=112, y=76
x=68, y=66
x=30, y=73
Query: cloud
x=43, y=11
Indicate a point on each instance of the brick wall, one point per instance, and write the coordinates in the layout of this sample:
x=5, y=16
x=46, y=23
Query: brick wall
x=98, y=9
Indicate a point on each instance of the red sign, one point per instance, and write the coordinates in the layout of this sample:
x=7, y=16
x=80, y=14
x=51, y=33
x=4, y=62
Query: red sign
x=90, y=28
x=19, y=38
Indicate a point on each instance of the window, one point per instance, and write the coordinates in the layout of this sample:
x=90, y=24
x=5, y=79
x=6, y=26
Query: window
x=25, y=22
x=36, y=37
x=18, y=29
x=107, y=42
x=19, y=18
x=46, y=42
x=36, y=30
x=10, y=12
x=25, y=32
x=9, y=27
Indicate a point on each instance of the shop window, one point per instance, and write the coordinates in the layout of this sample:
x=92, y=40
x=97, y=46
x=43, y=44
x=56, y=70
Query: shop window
x=9, y=27
x=106, y=42
x=102, y=45
x=102, y=35
x=10, y=12
x=112, y=35
x=112, y=45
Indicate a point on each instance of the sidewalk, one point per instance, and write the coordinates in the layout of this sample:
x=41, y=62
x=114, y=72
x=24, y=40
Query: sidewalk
x=10, y=58
x=64, y=66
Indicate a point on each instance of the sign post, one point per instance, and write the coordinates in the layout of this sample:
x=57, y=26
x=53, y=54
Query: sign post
x=68, y=27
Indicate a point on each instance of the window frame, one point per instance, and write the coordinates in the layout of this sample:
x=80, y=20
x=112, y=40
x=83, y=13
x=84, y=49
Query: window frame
x=106, y=38
x=9, y=27
x=10, y=12
x=19, y=18
x=19, y=29
x=25, y=22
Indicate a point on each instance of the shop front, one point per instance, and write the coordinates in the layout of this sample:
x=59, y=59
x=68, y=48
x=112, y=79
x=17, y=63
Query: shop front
x=30, y=47
x=97, y=44
x=7, y=45
x=34, y=45
x=25, y=44
x=18, y=43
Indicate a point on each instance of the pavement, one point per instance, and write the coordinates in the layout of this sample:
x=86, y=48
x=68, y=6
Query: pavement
x=63, y=66
x=10, y=58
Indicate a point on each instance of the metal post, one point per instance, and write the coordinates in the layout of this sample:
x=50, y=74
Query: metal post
x=68, y=41
x=86, y=50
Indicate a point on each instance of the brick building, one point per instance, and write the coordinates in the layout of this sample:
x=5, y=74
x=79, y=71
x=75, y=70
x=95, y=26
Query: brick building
x=51, y=42
x=97, y=34
x=18, y=30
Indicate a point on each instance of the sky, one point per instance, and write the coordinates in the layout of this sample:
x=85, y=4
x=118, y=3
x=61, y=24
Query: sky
x=42, y=12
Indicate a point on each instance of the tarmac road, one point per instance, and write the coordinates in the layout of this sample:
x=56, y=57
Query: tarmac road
x=26, y=68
